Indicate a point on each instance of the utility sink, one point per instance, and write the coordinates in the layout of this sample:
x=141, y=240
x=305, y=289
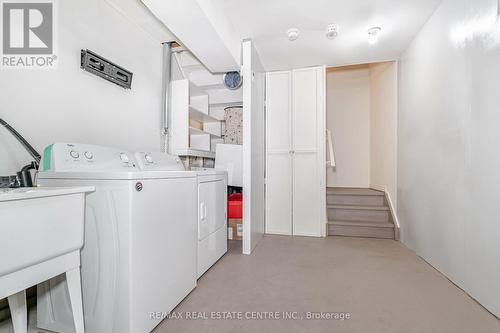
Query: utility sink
x=41, y=234
x=38, y=224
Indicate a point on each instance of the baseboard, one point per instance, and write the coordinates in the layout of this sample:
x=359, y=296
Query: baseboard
x=350, y=186
x=377, y=187
x=279, y=233
x=394, y=214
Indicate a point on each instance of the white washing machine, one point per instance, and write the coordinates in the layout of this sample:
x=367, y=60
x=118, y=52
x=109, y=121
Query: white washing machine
x=212, y=217
x=139, y=256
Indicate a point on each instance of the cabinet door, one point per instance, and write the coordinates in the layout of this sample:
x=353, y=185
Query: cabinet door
x=308, y=151
x=278, y=194
x=278, y=158
x=306, y=195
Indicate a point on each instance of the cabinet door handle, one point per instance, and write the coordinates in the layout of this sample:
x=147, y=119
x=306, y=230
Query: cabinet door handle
x=203, y=211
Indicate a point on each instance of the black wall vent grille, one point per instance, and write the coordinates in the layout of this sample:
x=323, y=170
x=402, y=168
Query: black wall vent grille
x=99, y=66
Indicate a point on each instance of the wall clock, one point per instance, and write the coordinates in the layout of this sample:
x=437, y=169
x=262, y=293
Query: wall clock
x=233, y=80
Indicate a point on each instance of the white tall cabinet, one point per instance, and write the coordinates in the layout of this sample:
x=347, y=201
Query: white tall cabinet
x=295, y=152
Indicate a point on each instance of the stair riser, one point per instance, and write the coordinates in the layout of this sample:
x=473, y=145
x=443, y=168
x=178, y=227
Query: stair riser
x=358, y=215
x=353, y=231
x=360, y=200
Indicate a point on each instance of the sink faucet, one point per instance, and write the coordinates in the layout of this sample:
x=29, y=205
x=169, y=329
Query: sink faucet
x=23, y=176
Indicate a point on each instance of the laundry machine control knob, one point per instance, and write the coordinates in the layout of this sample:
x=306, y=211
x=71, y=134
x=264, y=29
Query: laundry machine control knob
x=89, y=155
x=124, y=157
x=74, y=154
x=148, y=158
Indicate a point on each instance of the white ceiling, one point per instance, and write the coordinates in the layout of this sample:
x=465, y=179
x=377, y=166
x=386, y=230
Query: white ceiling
x=266, y=22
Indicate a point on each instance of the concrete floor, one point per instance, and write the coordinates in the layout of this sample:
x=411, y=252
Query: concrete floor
x=383, y=286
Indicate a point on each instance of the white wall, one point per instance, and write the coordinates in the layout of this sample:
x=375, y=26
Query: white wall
x=383, y=127
x=448, y=156
x=70, y=105
x=253, y=147
x=348, y=118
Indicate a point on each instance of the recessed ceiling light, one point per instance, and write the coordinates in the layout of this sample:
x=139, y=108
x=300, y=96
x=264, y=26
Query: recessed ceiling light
x=293, y=34
x=373, y=34
x=332, y=31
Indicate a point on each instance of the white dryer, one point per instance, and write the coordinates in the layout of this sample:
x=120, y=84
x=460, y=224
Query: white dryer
x=212, y=206
x=139, y=256
x=212, y=217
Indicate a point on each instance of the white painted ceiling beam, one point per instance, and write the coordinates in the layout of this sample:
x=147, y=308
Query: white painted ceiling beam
x=194, y=29
x=136, y=12
x=223, y=26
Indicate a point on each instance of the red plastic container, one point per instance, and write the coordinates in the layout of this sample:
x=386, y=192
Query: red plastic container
x=235, y=197
x=235, y=206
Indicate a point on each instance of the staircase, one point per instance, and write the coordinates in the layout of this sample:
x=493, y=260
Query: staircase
x=359, y=212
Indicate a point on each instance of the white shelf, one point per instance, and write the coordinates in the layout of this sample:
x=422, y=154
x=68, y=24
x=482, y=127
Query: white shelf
x=225, y=96
x=194, y=90
x=225, y=105
x=197, y=115
x=196, y=131
x=215, y=86
x=188, y=69
x=196, y=153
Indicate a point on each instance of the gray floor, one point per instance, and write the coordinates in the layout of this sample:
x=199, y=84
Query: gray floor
x=382, y=285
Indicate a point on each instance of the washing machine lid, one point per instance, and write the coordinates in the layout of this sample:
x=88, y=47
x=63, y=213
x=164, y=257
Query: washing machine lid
x=82, y=161
x=115, y=175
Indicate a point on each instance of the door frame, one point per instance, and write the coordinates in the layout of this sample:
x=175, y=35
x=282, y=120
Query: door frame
x=254, y=163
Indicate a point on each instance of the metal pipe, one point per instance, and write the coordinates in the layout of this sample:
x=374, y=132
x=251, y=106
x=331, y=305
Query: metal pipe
x=36, y=156
x=166, y=78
